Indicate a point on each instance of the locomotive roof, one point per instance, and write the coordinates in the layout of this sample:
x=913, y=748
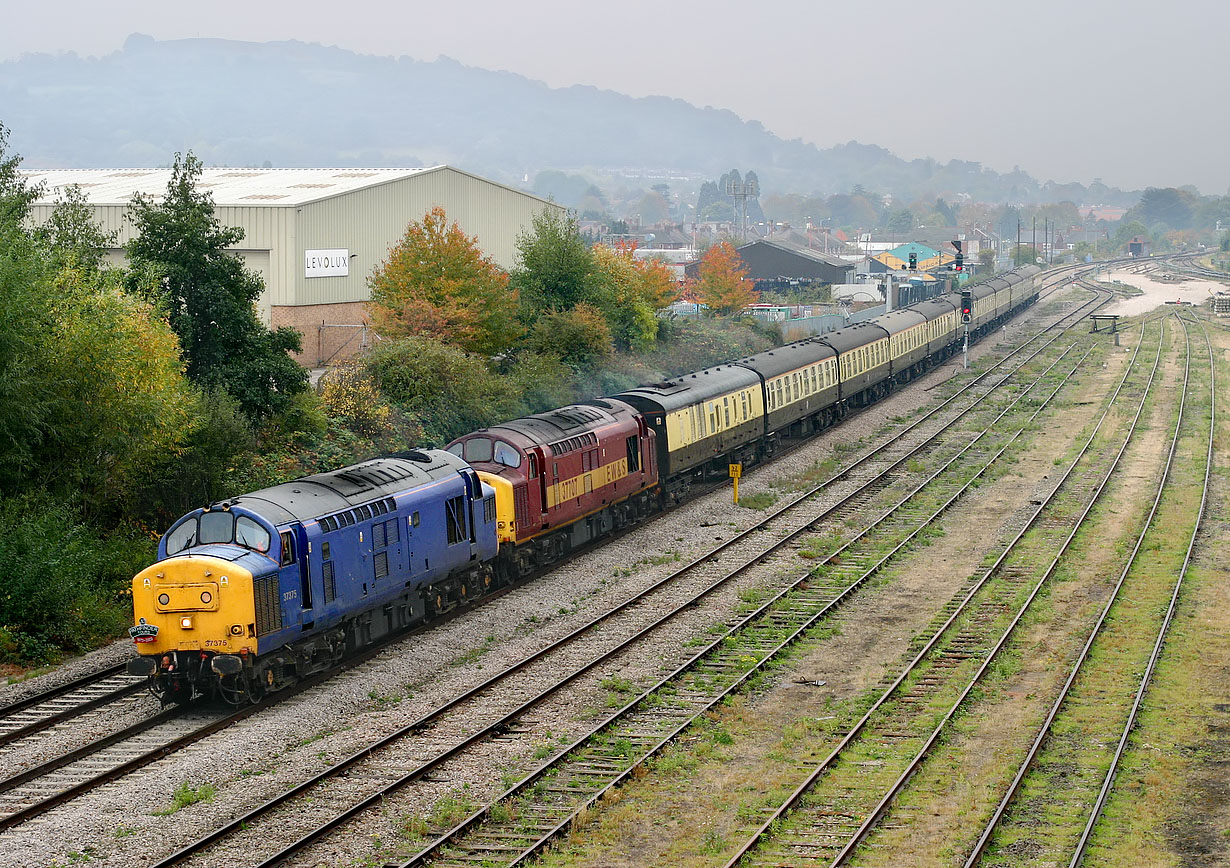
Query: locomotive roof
x=555, y=425
x=899, y=320
x=852, y=337
x=775, y=362
x=688, y=389
x=325, y=493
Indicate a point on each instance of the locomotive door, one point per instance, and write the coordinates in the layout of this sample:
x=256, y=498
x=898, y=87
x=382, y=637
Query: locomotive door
x=305, y=569
x=474, y=491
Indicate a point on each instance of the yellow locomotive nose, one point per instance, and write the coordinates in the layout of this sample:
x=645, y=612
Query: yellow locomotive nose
x=193, y=603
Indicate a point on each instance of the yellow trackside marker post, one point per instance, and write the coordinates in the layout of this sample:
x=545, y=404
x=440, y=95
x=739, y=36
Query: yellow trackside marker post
x=736, y=470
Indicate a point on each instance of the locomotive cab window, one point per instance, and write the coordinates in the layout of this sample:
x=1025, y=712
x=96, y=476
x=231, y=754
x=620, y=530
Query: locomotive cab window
x=288, y=548
x=506, y=455
x=251, y=535
x=478, y=449
x=181, y=536
x=217, y=527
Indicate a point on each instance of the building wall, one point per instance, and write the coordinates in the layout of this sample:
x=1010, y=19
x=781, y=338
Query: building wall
x=331, y=332
x=370, y=221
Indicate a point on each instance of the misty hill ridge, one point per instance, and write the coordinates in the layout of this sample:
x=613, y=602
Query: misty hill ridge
x=300, y=104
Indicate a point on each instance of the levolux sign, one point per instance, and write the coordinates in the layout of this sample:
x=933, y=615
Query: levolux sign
x=326, y=263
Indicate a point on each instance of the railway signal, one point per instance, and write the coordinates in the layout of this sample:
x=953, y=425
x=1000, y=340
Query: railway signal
x=960, y=264
x=913, y=261
x=967, y=306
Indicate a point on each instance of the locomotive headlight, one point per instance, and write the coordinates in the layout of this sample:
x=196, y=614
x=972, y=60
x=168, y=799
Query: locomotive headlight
x=163, y=599
x=185, y=623
x=206, y=597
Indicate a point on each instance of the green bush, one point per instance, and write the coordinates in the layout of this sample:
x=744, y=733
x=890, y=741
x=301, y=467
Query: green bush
x=446, y=390
x=63, y=585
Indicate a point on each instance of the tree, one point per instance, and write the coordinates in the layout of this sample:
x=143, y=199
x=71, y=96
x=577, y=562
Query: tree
x=986, y=257
x=556, y=268
x=626, y=297
x=119, y=397
x=25, y=316
x=72, y=236
x=1171, y=207
x=1024, y=254
x=723, y=284
x=901, y=221
x=579, y=337
x=210, y=297
x=437, y=283
x=15, y=194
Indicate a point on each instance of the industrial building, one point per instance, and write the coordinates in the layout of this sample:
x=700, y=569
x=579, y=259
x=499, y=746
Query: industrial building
x=777, y=264
x=316, y=235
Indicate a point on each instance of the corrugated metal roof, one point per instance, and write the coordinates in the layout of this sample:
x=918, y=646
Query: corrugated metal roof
x=227, y=186
x=804, y=251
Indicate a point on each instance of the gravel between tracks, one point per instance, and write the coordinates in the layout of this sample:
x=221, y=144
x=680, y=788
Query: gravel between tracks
x=117, y=826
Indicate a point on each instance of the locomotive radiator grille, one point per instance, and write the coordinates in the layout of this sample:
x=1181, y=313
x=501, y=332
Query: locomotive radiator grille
x=327, y=577
x=268, y=606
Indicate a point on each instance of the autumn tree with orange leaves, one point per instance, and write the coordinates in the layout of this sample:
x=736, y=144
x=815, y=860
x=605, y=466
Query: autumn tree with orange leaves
x=437, y=283
x=723, y=283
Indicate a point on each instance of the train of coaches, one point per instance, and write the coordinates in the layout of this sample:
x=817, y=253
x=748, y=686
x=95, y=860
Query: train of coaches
x=253, y=593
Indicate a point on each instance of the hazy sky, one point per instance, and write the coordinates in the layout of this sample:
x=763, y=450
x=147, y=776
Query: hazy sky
x=1065, y=89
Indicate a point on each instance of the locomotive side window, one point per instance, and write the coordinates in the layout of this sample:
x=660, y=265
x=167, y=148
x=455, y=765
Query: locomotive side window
x=181, y=537
x=455, y=519
x=634, y=455
x=288, y=549
x=533, y=466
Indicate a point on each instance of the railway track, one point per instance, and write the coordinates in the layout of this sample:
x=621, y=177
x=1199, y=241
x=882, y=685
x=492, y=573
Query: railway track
x=846, y=793
x=49, y=708
x=248, y=831
x=1079, y=729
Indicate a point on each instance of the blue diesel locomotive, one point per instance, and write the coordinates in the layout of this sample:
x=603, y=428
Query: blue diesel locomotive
x=252, y=593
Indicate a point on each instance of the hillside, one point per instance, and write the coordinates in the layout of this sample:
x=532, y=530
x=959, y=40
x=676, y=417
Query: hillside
x=298, y=104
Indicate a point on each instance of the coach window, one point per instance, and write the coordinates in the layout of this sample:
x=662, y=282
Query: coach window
x=506, y=455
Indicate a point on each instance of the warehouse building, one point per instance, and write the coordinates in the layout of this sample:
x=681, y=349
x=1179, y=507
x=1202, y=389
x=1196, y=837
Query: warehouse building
x=316, y=235
x=780, y=264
